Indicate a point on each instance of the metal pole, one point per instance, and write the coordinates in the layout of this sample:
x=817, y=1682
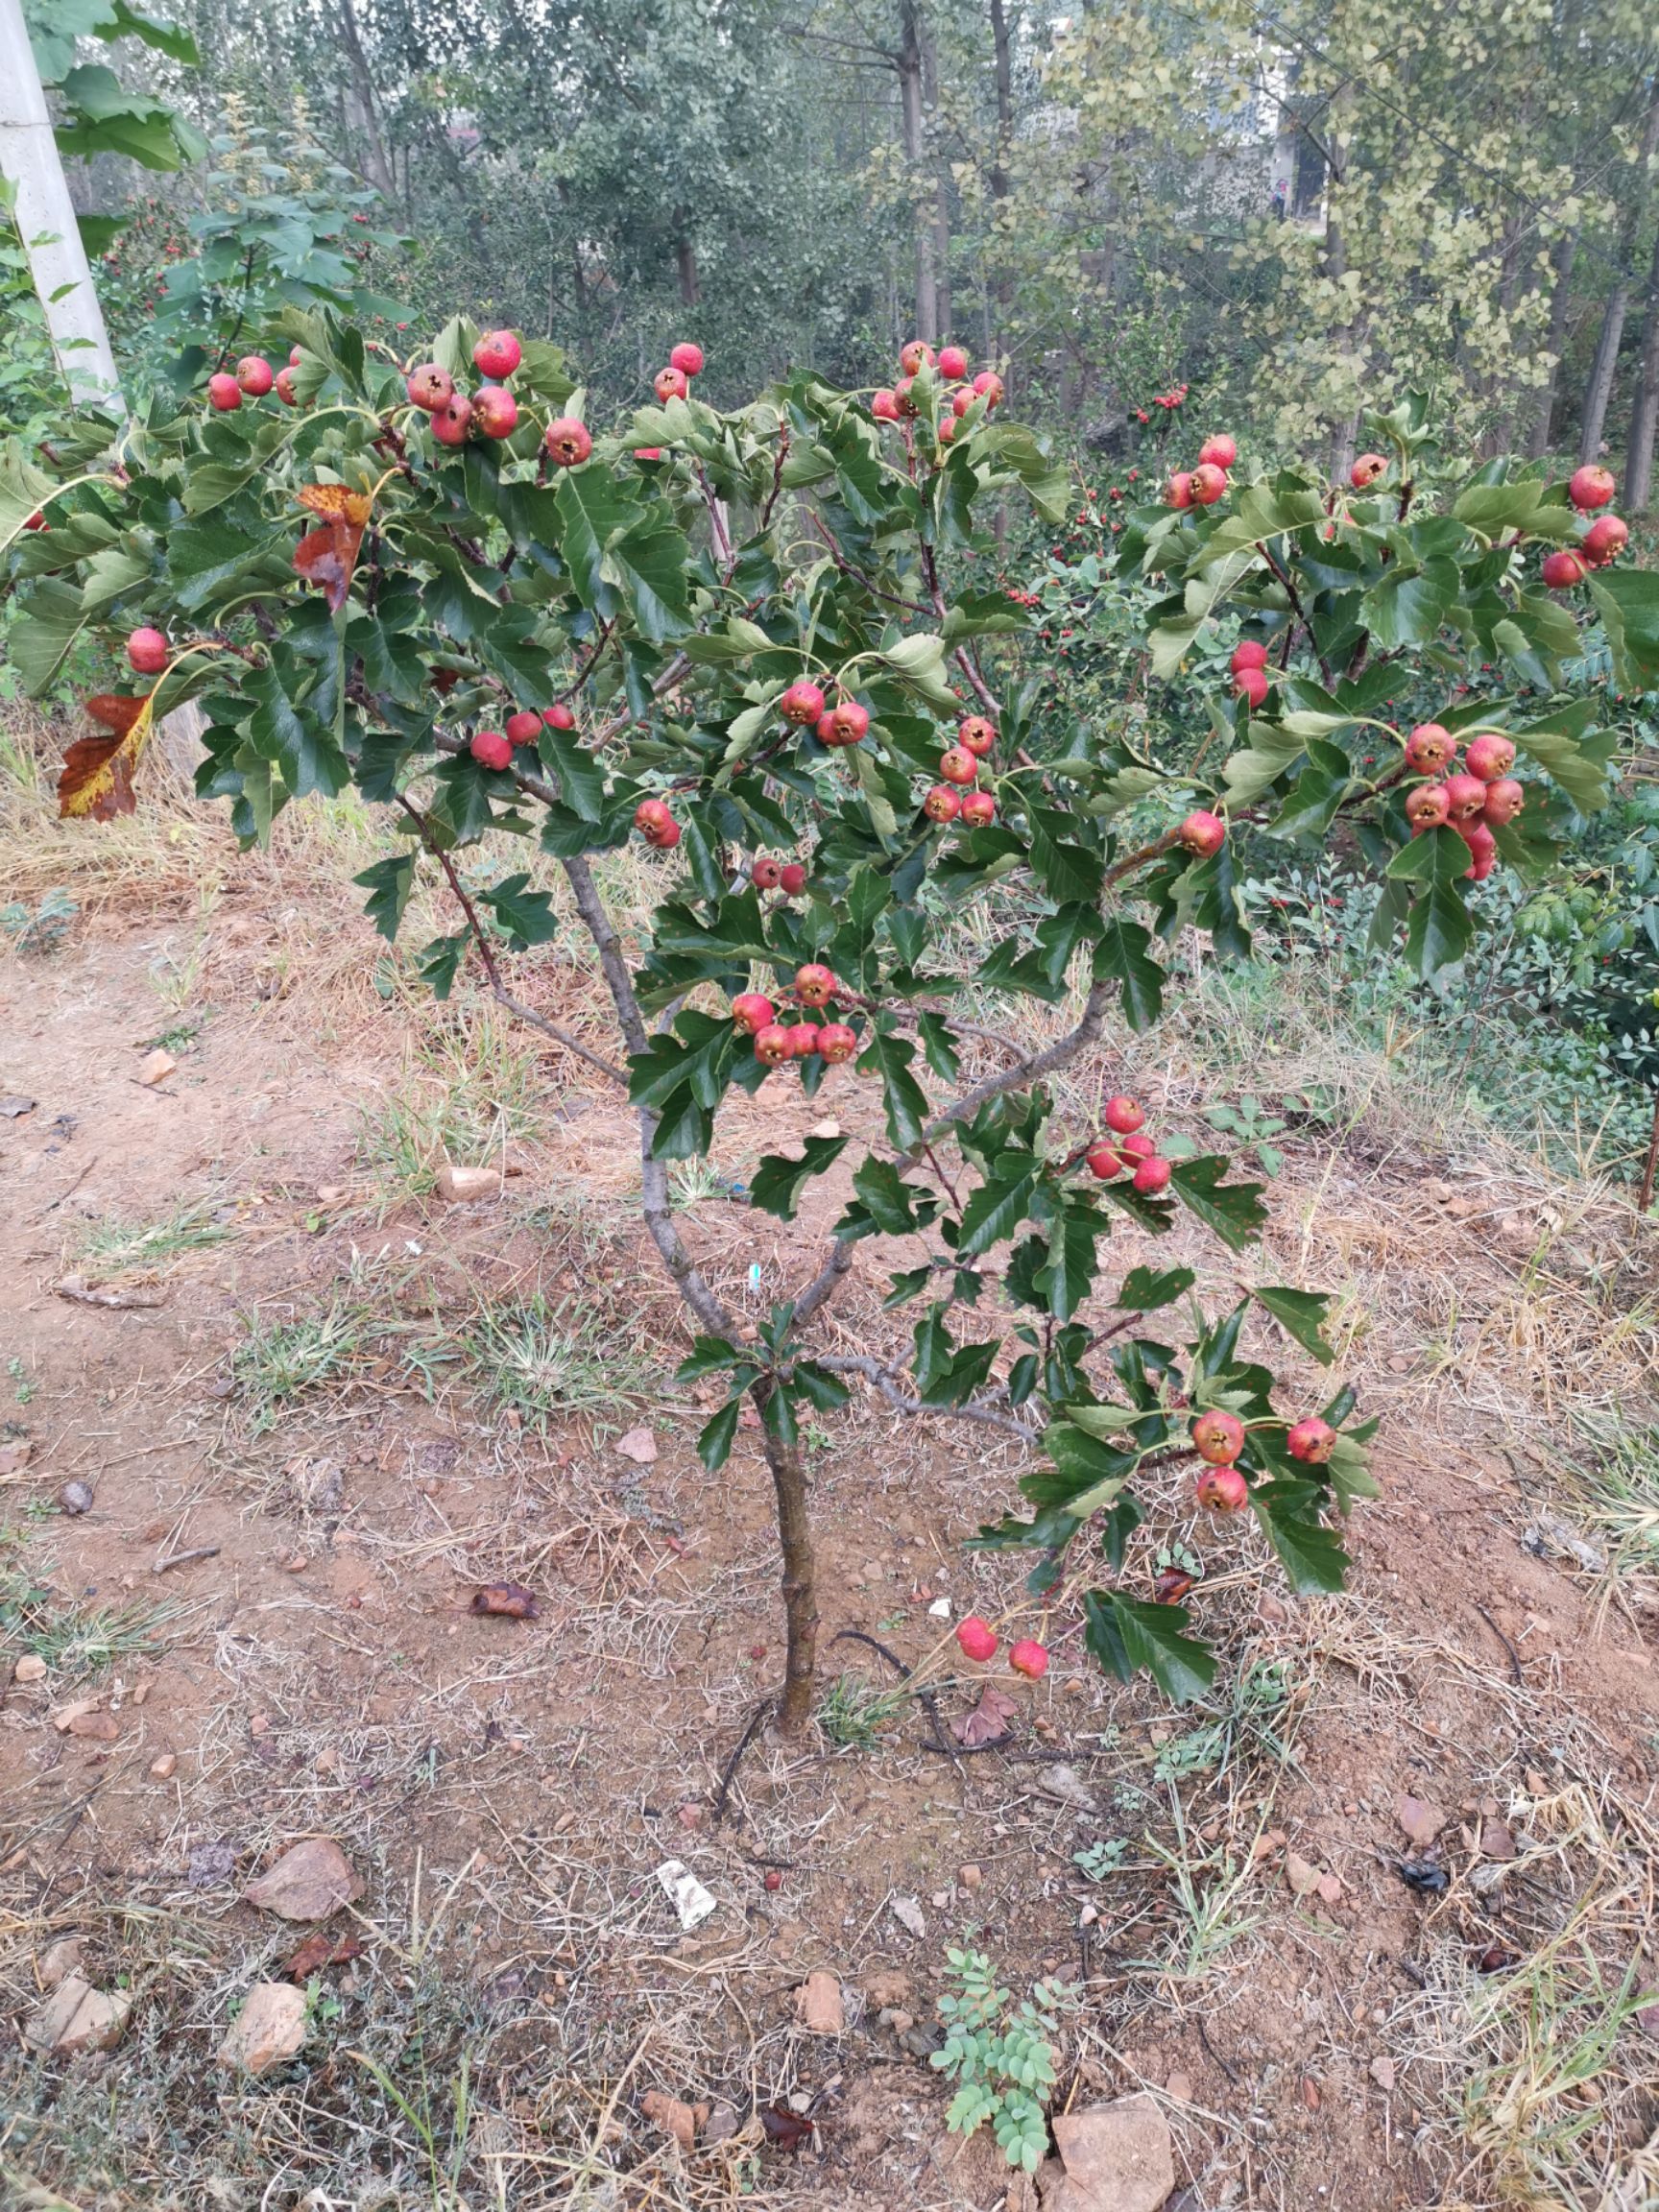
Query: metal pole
x=46, y=224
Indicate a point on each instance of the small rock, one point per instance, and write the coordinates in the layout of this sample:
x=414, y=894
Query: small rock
x=102, y=1727
x=156, y=1068
x=1115, y=2157
x=1069, y=1785
x=639, y=1445
x=970, y=1877
x=1301, y=1874
x=30, y=1668
x=907, y=1912
x=59, y=1960
x=269, y=2028
x=15, y=1457
x=77, y=2017
x=74, y=1497
x=308, y=1881
x=722, y=2122
x=1497, y=1841
x=1310, y=2092
x=1382, y=2073
x=164, y=1769
x=818, y=2001
x=1421, y=1820
x=1179, y=2087
x=671, y=2115
x=65, y=1717
x=459, y=1186
x=888, y=1986
x=331, y=1193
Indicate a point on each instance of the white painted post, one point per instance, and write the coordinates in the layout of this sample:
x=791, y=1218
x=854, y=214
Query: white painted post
x=45, y=217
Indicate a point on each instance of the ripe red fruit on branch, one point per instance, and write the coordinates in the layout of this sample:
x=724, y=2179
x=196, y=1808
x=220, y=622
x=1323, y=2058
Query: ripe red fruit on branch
x=837, y=1043
x=294, y=357
x=1220, y=452
x=765, y=873
x=771, y=1044
x=687, y=358
x=961, y=400
x=254, y=374
x=1482, y=850
x=224, y=391
x=884, y=405
x=957, y=765
x=975, y=735
x=1203, y=833
x=953, y=360
x=1105, y=1161
x=914, y=356
x=977, y=1638
x=286, y=390
x=1490, y=756
x=752, y=1011
x=1563, y=569
x=846, y=724
x=147, y=650
x=558, y=717
x=1465, y=796
x=1123, y=1113
x=1218, y=1438
x=1209, y=483
x=1029, y=1658
x=1248, y=653
x=1366, y=470
x=942, y=803
x=1427, y=806
x=496, y=411
x=1180, y=493
x=1251, y=684
x=429, y=386
x=1153, y=1175
x=1590, y=487
x=451, y=421
x=802, y=702
x=490, y=750
x=803, y=1041
x=567, y=442
x=1222, y=1490
x=814, y=984
x=1313, y=1440
x=1505, y=800
x=1430, y=748
x=1605, y=539
x=653, y=820
x=792, y=878
x=670, y=384
x=978, y=809
x=1138, y=1146
x=496, y=354
x=524, y=727
x=988, y=386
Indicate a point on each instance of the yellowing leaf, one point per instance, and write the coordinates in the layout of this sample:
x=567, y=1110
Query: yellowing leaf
x=96, y=782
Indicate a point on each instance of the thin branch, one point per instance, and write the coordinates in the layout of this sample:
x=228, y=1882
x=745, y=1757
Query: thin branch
x=885, y=1380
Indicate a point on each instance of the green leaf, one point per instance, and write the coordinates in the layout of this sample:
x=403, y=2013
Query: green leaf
x=1233, y=1209
x=1576, y=757
x=1439, y=931
x=526, y=916
x=389, y=884
x=778, y=1182
x=716, y=1437
x=1312, y=1555
x=1127, y=1634
x=1303, y=1313
x=40, y=634
x=906, y=1104
x=580, y=778
x=890, y=1203
x=439, y=963
x=1145, y=1288
x=707, y=1356
x=1125, y=951
x=651, y=561
x=999, y=1206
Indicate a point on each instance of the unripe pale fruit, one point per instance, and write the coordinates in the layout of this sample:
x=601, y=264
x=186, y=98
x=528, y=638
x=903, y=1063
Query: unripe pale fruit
x=567, y=442
x=942, y=803
x=1366, y=470
x=848, y=724
x=1218, y=1438
x=652, y=816
x=496, y=354
x=977, y=1637
x=792, y=878
x=558, y=717
x=752, y=1011
x=687, y=358
x=1152, y=1176
x=1124, y=1115
x=254, y=374
x=451, y=421
x=429, y=386
x=1105, y=1161
x=147, y=650
x=1248, y=653
x=1605, y=539
x=814, y=984
x=1208, y=484
x=1465, y=796
x=988, y=386
x=490, y=750
x=524, y=727
x=975, y=735
x=1430, y=749
x=286, y=390
x=771, y=1044
x=1427, y=806
x=1590, y=487
x=1250, y=683
x=1313, y=1440
x=837, y=1043
x=802, y=702
x=953, y=360
x=496, y=411
x=1562, y=569
x=224, y=391
x=884, y=406
x=765, y=873
x=1505, y=800
x=670, y=384
x=1030, y=1659
x=1490, y=756
x=1203, y=833
x=978, y=809
x=1222, y=1490
x=957, y=765
x=1220, y=452
x=915, y=356
x=1180, y=492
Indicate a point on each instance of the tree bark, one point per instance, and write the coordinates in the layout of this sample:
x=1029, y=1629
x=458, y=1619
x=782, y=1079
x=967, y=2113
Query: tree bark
x=1004, y=64
x=1644, y=408
x=800, y=1577
x=1602, y=368
x=909, y=62
x=1543, y=420
x=376, y=168
x=685, y=262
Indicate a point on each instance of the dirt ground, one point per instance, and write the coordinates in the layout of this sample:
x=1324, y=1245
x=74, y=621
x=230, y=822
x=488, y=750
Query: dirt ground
x=316, y=1408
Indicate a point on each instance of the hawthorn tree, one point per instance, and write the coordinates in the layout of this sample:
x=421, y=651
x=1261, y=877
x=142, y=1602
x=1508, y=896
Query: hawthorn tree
x=755, y=638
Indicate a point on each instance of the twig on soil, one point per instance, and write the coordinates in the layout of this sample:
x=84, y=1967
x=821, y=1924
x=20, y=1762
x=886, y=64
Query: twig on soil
x=728, y=1771
x=186, y=1558
x=1211, y=2051
x=926, y=1698
x=1514, y=1655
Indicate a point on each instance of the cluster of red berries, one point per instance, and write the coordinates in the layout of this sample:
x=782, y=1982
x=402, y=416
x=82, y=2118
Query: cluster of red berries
x=786, y=875
x=1249, y=668
x=803, y=704
x=1473, y=801
x=776, y=1041
x=1168, y=400
x=1588, y=488
x=1203, y=486
x=1127, y=1151
x=979, y=1641
x=1218, y=1440
x=494, y=748
x=491, y=411
x=253, y=378
x=891, y=404
x=959, y=766
x=674, y=382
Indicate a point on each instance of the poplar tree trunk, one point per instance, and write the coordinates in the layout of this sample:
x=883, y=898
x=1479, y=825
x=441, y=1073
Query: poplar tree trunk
x=1602, y=368
x=909, y=67
x=1544, y=420
x=1644, y=410
x=375, y=166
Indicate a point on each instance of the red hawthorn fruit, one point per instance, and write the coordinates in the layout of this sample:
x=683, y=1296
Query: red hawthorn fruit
x=429, y=386
x=1105, y=1161
x=942, y=803
x=1250, y=683
x=451, y=421
x=670, y=384
x=1222, y=1490
x=1490, y=756
x=293, y=356
x=1208, y=484
x=884, y=406
x=1218, y=1438
x=1605, y=539
x=496, y=354
x=1180, y=493
x=223, y=392
x=914, y=356
x=802, y=702
x=1482, y=850
x=772, y=1879
x=1248, y=653
x=977, y=1638
x=814, y=984
x=1465, y=796
x=651, y=818
x=792, y=878
x=687, y=358
x=978, y=809
x=848, y=723
x=524, y=727
x=752, y=1011
x=286, y=391
x=37, y=522
x=901, y=393
x=567, y=442
x=1366, y=470
x=558, y=717
x=988, y=386
x=771, y=1044
x=765, y=873
x=496, y=411
x=975, y=735
x=1123, y=1115
x=837, y=1043
x=957, y=765
x=254, y=374
x=1313, y=1440
x=802, y=1040
x=1153, y=1175
x=1430, y=749
x=947, y=430
x=1505, y=800
x=1590, y=487
x=1219, y=451
x=1427, y=806
x=1137, y=1146
x=1203, y=833
x=1029, y=1658
x=666, y=839
x=490, y=750
x=953, y=360
x=147, y=650
x=961, y=400
x=1562, y=569
x=647, y=453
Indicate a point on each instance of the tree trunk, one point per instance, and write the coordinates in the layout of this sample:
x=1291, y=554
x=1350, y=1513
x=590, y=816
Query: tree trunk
x=910, y=66
x=1543, y=420
x=375, y=166
x=1003, y=62
x=686, y=261
x=799, y=1585
x=1599, y=389
x=1345, y=434
x=1645, y=409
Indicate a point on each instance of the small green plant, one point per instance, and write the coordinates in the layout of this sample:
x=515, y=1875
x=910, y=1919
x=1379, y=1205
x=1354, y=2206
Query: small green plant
x=1101, y=1858
x=40, y=928
x=20, y=1376
x=1253, y=1126
x=1247, y=1725
x=545, y=1357
x=856, y=1716
x=112, y=1247
x=281, y=1360
x=1001, y=2056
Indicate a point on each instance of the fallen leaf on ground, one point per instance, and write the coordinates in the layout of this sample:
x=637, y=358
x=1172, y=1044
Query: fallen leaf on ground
x=1421, y=1820
x=1301, y=1874
x=640, y=1446
x=988, y=1720
x=785, y=2130
x=308, y=1881
x=671, y=2115
x=1172, y=1585
x=507, y=1601
x=318, y=1951
x=13, y=1458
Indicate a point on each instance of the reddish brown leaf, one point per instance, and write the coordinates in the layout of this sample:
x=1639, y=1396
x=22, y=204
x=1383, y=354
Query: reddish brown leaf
x=328, y=555
x=1172, y=1585
x=318, y=1951
x=786, y=2129
x=989, y=1720
x=96, y=779
x=509, y=1599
